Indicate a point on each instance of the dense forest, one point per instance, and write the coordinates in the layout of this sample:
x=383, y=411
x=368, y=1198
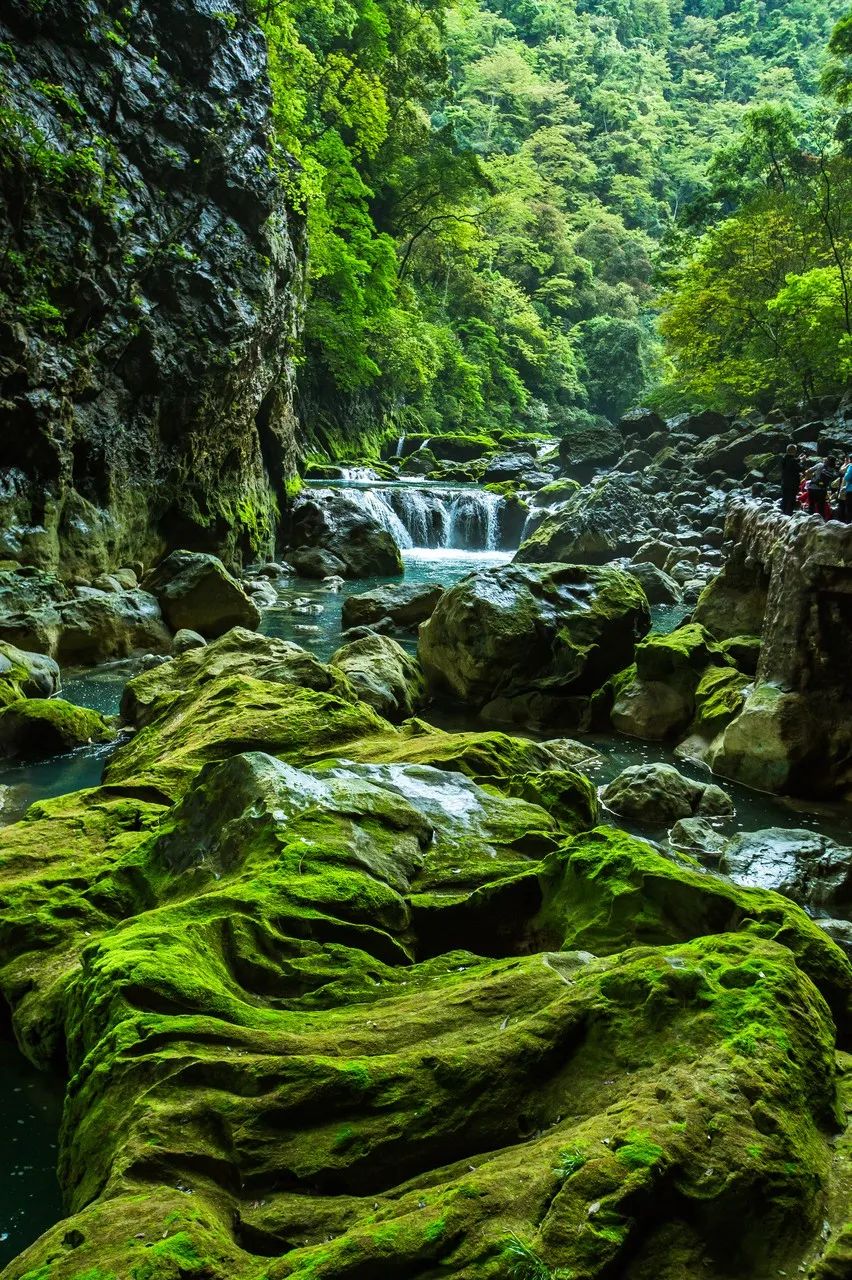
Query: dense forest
x=502, y=195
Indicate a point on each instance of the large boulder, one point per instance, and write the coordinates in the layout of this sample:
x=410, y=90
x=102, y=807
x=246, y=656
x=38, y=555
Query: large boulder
x=801, y=864
x=406, y=604
x=656, y=698
x=237, y=653
x=197, y=593
x=610, y=519
x=98, y=625
x=641, y=422
x=411, y=1014
x=530, y=643
x=383, y=675
x=332, y=532
x=659, y=586
x=705, y=425
x=37, y=727
x=26, y=675
x=587, y=444
x=656, y=795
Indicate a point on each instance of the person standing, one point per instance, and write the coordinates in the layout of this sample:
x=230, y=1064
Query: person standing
x=822, y=477
x=791, y=476
x=844, y=492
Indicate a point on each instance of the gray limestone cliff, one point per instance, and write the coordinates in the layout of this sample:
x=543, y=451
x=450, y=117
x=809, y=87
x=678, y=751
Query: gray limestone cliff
x=150, y=284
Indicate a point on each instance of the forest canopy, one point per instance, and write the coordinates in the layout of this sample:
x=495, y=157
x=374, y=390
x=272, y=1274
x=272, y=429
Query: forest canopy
x=504, y=195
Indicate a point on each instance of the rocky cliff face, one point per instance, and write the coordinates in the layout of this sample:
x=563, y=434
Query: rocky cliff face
x=150, y=281
x=793, y=733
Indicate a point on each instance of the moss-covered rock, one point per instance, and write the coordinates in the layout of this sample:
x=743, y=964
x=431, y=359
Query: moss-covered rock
x=231, y=714
x=238, y=652
x=375, y=1019
x=529, y=643
x=33, y=728
x=26, y=675
x=658, y=698
x=383, y=675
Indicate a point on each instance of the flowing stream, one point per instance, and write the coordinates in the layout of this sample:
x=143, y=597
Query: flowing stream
x=447, y=532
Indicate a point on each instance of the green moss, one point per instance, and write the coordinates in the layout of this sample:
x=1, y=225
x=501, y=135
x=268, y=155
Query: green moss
x=36, y=727
x=639, y=1151
x=719, y=696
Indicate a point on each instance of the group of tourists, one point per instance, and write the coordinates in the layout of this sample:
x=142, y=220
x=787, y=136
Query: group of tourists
x=822, y=488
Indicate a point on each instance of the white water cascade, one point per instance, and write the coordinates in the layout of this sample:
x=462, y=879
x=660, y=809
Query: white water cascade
x=451, y=519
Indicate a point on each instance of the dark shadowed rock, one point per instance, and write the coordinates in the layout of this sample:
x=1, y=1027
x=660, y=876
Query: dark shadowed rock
x=196, y=592
x=656, y=795
x=406, y=604
x=530, y=643
x=331, y=532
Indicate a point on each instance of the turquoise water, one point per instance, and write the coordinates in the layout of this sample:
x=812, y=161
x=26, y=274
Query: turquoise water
x=30, y=1112
x=309, y=614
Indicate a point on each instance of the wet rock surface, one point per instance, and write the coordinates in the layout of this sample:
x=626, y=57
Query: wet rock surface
x=153, y=270
x=332, y=533
x=531, y=643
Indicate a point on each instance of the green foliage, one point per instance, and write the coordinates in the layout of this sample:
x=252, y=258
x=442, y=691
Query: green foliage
x=489, y=187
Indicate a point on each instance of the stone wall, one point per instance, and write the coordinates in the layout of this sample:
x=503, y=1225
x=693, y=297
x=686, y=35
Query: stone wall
x=794, y=733
x=150, y=285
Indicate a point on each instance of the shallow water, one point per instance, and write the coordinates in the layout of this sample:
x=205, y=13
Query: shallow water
x=30, y=1113
x=309, y=614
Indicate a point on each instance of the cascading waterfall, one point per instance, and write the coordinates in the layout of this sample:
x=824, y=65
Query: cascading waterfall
x=429, y=519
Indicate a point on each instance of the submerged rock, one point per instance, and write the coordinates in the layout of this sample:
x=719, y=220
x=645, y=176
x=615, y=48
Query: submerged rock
x=530, y=643
x=196, y=592
x=656, y=795
x=383, y=675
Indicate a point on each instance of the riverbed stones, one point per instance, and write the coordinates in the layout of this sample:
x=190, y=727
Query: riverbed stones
x=332, y=533
x=406, y=604
x=383, y=675
x=196, y=592
x=530, y=643
x=656, y=795
x=611, y=518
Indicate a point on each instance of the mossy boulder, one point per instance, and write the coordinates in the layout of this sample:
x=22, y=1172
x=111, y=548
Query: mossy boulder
x=529, y=644
x=657, y=698
x=602, y=522
x=383, y=675
x=26, y=675
x=196, y=592
x=230, y=714
x=776, y=743
x=238, y=652
x=656, y=795
x=376, y=1019
x=33, y=728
